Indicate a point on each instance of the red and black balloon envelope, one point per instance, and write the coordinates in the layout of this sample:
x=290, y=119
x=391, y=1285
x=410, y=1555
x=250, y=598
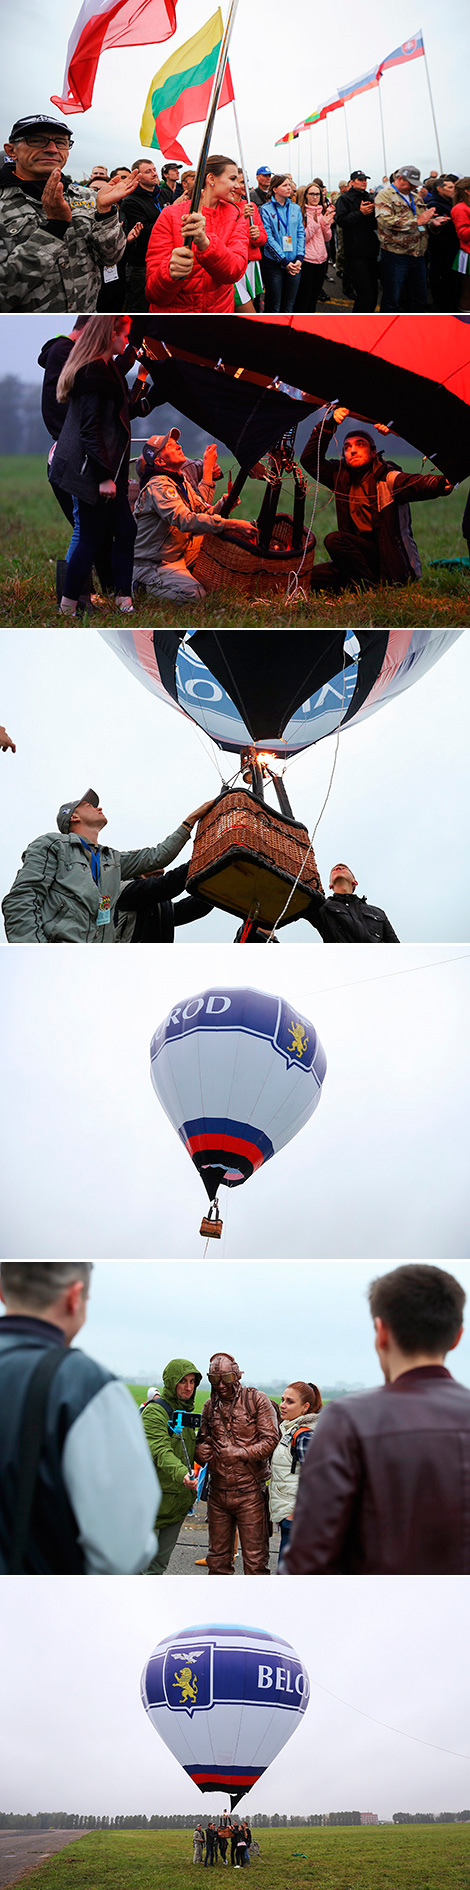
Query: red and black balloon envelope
x=242, y=379
x=282, y=691
x=225, y=1700
x=238, y=1072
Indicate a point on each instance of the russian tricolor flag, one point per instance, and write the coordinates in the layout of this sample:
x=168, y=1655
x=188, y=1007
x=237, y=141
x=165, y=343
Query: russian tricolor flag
x=101, y=26
x=411, y=49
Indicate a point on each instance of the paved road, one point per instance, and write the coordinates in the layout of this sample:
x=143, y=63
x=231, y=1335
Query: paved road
x=22, y=1851
x=191, y=1548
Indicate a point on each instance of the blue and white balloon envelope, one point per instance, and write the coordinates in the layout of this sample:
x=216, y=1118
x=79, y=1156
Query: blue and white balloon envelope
x=225, y=1700
x=238, y=1073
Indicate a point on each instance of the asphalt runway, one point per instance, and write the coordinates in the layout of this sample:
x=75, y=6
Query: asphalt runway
x=191, y=1548
x=22, y=1851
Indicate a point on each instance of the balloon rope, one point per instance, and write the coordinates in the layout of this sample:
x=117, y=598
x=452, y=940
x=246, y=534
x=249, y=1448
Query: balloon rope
x=294, y=587
x=322, y=810
x=386, y=1728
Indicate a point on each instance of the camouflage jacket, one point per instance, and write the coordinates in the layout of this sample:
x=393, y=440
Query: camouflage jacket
x=397, y=227
x=40, y=270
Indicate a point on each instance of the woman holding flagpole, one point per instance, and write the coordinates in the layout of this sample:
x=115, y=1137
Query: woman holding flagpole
x=201, y=276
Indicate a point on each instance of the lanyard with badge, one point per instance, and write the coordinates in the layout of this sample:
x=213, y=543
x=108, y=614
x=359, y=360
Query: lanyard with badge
x=410, y=202
x=103, y=916
x=287, y=243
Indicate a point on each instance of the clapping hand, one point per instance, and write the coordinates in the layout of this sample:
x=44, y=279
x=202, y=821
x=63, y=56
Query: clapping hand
x=54, y=202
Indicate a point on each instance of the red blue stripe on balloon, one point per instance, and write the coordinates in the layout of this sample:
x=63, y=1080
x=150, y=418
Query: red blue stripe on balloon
x=234, y=1149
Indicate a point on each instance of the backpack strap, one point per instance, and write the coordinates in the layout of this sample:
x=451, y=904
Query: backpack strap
x=32, y=1429
x=157, y=1400
x=300, y=1432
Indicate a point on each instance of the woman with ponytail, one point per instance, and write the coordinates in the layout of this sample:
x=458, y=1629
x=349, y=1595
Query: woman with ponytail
x=203, y=277
x=91, y=459
x=300, y=1408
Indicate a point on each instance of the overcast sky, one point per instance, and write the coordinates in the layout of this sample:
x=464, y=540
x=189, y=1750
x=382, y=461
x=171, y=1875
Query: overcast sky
x=141, y=1314
x=93, y=1168
x=283, y=67
x=75, y=1736
x=398, y=810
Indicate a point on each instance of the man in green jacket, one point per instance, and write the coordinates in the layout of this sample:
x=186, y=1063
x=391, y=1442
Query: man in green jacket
x=68, y=886
x=171, y=1425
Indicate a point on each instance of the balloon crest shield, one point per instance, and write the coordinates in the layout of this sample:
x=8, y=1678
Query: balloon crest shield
x=187, y=1679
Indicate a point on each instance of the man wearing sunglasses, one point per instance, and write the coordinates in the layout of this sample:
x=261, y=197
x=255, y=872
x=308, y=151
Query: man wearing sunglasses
x=53, y=248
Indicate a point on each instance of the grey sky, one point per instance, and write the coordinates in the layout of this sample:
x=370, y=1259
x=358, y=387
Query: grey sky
x=74, y=1734
x=398, y=810
x=93, y=1167
x=298, y=68
x=315, y=1323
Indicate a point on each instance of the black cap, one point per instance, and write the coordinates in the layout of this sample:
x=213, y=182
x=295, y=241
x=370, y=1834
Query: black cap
x=38, y=121
x=364, y=174
x=171, y=166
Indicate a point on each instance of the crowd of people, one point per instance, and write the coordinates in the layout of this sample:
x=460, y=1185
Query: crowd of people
x=372, y=1483
x=130, y=240
x=72, y=889
x=143, y=538
x=213, y=1840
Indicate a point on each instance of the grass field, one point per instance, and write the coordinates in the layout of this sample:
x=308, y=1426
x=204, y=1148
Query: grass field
x=139, y=1392
x=403, y=1857
x=34, y=534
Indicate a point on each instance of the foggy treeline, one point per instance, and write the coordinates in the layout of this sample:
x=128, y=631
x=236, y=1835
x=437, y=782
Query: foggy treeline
x=22, y=427
x=185, y=1821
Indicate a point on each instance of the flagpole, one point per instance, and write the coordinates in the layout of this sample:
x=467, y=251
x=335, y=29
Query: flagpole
x=240, y=152
x=347, y=139
x=328, y=152
x=383, y=132
x=298, y=163
x=432, y=108
x=311, y=151
x=209, y=125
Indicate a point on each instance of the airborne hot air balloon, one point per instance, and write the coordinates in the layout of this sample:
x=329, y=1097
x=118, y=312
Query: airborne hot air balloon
x=282, y=693
x=225, y=1700
x=238, y=1073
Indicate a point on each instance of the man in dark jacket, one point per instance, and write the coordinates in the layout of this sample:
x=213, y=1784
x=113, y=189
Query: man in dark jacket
x=143, y=206
x=170, y=188
x=384, y=1489
x=374, y=542
x=345, y=919
x=355, y=216
x=238, y=1435
x=96, y=1493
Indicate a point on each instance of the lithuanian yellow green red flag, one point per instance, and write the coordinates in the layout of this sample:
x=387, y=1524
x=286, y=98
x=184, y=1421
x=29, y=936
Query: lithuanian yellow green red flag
x=180, y=92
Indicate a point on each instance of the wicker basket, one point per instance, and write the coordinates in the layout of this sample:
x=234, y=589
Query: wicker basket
x=246, y=857
x=224, y=564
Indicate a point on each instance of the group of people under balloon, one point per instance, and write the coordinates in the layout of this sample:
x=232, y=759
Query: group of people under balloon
x=147, y=546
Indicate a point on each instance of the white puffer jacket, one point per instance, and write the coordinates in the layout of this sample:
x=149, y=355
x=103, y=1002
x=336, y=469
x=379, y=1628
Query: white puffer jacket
x=284, y=1481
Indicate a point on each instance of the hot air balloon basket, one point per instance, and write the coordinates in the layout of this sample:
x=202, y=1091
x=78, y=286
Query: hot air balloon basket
x=210, y=1230
x=226, y=563
x=246, y=859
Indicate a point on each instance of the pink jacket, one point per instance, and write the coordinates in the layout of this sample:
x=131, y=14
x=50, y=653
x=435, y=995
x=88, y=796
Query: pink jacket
x=461, y=221
x=316, y=230
x=215, y=270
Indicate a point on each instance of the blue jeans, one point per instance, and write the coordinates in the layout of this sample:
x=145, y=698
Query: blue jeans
x=404, y=283
x=281, y=289
x=75, y=539
x=285, y=1528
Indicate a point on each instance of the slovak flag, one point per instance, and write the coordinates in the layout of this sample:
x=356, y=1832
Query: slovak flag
x=411, y=49
x=101, y=26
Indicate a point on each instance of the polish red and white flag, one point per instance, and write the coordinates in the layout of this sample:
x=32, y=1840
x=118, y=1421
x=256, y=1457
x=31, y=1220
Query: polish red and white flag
x=102, y=26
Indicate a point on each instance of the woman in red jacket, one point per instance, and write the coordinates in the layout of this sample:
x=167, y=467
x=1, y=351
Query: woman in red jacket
x=203, y=277
x=461, y=221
